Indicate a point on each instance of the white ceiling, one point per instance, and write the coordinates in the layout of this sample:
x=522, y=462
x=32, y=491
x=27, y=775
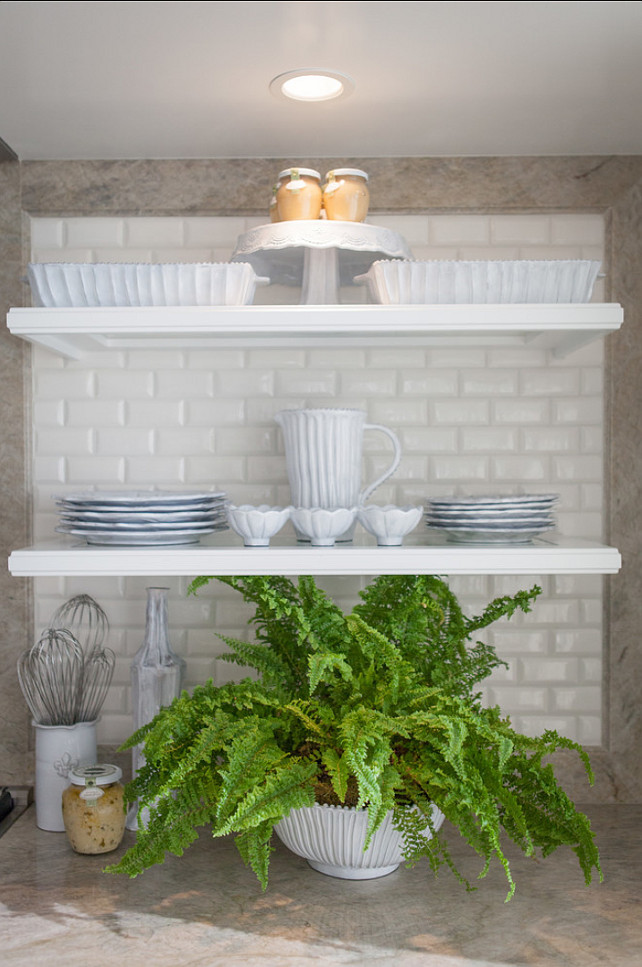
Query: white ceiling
x=190, y=79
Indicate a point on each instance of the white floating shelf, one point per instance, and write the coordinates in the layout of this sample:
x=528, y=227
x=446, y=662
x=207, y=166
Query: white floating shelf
x=558, y=327
x=223, y=554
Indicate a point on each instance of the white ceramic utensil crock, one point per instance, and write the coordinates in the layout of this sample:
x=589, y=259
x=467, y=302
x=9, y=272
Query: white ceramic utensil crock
x=59, y=749
x=323, y=452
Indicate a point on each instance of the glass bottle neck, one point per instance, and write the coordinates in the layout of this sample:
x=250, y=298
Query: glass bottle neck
x=156, y=633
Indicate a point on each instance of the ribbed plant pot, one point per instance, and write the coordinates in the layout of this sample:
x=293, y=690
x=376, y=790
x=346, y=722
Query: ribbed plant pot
x=331, y=839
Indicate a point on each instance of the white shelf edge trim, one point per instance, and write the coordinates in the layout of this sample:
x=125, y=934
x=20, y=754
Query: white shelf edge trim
x=71, y=332
x=65, y=558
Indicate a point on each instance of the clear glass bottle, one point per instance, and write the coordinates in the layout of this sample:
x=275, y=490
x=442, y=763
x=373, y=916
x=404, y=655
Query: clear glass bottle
x=157, y=675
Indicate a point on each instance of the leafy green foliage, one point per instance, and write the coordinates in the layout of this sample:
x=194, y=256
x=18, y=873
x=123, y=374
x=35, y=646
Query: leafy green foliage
x=378, y=703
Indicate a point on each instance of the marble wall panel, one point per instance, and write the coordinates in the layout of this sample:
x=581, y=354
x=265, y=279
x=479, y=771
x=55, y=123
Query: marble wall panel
x=14, y=603
x=611, y=185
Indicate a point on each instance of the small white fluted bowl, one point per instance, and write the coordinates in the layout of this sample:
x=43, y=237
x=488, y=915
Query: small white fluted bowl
x=256, y=525
x=389, y=524
x=323, y=525
x=399, y=281
x=331, y=839
x=84, y=284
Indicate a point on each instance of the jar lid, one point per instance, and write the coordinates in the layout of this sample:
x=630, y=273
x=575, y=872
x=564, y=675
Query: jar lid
x=100, y=774
x=310, y=172
x=346, y=171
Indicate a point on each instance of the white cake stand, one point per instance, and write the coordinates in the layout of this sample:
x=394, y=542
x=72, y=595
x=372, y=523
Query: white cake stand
x=317, y=255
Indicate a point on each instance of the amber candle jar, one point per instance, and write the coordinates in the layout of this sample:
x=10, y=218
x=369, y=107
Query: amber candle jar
x=298, y=194
x=345, y=195
x=93, y=809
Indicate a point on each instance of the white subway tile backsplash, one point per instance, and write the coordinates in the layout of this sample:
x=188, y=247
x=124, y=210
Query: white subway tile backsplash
x=153, y=232
x=470, y=419
x=459, y=469
x=429, y=440
x=461, y=412
x=246, y=383
x=210, y=412
x=414, y=228
x=578, y=230
x=588, y=730
x=213, y=231
x=488, y=382
x=429, y=383
x=519, y=469
x=584, y=410
x=520, y=229
x=551, y=439
x=94, y=232
x=48, y=233
x=459, y=229
x=56, y=441
x=489, y=439
x=149, y=470
x=102, y=471
x=549, y=382
x=519, y=411
x=113, y=441
x=308, y=382
x=577, y=467
x=171, y=384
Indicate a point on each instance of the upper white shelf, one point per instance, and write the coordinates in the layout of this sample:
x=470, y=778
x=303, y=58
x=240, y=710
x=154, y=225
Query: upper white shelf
x=558, y=327
x=224, y=554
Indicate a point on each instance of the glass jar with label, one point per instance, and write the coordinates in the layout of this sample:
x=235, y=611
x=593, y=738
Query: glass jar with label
x=345, y=195
x=298, y=194
x=93, y=808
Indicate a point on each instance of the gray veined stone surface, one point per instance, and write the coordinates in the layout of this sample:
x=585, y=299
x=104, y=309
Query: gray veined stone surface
x=206, y=909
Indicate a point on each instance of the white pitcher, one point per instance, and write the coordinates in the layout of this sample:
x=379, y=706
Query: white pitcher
x=323, y=451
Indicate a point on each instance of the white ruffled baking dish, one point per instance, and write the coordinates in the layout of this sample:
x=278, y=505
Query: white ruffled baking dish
x=85, y=285
x=405, y=282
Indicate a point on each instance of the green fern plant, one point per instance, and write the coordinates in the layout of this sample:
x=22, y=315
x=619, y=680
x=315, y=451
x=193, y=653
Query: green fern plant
x=375, y=709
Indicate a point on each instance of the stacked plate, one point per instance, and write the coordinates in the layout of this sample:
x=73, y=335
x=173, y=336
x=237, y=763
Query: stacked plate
x=491, y=519
x=140, y=518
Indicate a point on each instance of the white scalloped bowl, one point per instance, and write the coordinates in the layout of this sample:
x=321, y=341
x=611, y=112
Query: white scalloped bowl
x=321, y=525
x=404, y=282
x=331, y=839
x=389, y=524
x=84, y=285
x=256, y=525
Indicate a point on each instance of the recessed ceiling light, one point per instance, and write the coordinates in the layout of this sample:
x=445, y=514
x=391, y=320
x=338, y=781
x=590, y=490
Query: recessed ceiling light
x=311, y=84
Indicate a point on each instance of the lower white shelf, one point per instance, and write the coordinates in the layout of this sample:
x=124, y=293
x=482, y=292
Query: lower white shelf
x=223, y=554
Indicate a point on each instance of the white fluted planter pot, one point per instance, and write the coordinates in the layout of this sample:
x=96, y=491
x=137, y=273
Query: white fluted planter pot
x=331, y=839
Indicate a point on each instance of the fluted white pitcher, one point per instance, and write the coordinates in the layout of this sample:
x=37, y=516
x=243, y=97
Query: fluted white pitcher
x=323, y=451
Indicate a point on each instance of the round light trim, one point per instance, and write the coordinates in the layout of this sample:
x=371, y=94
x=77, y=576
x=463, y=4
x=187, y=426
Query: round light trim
x=311, y=84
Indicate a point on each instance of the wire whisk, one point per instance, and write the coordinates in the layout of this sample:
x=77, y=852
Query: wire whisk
x=86, y=620
x=51, y=677
x=98, y=671
x=65, y=676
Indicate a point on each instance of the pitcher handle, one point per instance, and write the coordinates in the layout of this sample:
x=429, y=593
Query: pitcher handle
x=396, y=460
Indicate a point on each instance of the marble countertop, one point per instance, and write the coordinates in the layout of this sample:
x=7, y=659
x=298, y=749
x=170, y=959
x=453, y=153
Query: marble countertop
x=206, y=909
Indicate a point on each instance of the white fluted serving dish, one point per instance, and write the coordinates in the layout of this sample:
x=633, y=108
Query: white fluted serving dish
x=84, y=285
x=406, y=282
x=331, y=839
x=389, y=524
x=256, y=525
x=322, y=525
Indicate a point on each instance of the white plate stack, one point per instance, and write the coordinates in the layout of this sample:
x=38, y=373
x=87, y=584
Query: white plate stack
x=492, y=519
x=131, y=518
